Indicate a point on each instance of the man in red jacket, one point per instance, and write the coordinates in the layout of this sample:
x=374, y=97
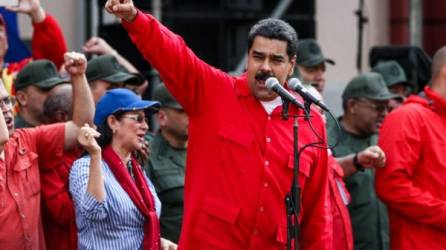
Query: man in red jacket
x=413, y=182
x=240, y=151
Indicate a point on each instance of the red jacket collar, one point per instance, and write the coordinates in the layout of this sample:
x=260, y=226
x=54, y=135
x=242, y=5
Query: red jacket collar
x=432, y=100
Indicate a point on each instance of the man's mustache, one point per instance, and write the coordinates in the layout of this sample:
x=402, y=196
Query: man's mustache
x=262, y=76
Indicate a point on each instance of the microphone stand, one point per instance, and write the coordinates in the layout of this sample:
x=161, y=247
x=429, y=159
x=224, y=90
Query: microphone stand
x=292, y=199
x=285, y=105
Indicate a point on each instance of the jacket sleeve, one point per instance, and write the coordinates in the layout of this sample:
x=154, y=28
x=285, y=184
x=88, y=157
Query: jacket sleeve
x=401, y=140
x=195, y=84
x=56, y=197
x=85, y=204
x=317, y=221
x=48, y=41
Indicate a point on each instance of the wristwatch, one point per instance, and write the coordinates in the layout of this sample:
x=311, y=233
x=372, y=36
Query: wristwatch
x=356, y=163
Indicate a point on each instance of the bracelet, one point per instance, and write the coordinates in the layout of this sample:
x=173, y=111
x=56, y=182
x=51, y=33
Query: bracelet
x=356, y=163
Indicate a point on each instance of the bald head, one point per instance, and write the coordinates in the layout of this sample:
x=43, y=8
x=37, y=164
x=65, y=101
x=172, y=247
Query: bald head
x=438, y=61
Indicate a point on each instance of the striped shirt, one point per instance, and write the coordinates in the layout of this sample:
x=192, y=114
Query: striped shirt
x=115, y=223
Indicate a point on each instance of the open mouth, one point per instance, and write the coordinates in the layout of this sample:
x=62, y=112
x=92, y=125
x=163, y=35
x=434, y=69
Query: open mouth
x=9, y=122
x=141, y=138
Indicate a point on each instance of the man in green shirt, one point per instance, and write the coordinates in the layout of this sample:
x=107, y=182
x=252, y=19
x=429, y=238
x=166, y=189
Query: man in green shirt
x=365, y=101
x=167, y=160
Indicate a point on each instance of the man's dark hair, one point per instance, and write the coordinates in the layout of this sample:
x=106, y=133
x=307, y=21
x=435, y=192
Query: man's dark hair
x=60, y=101
x=275, y=29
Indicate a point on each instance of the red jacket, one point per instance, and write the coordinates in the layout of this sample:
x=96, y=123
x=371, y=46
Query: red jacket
x=239, y=162
x=58, y=215
x=340, y=197
x=413, y=183
x=26, y=151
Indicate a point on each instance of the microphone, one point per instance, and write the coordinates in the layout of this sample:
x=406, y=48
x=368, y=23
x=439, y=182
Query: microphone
x=296, y=85
x=273, y=84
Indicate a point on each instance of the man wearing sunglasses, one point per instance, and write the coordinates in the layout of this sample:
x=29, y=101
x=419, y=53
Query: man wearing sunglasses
x=365, y=102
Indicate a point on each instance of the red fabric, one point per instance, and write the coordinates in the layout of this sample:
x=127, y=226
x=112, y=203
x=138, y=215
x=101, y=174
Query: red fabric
x=413, y=182
x=48, y=41
x=139, y=192
x=58, y=215
x=240, y=160
x=25, y=151
x=342, y=227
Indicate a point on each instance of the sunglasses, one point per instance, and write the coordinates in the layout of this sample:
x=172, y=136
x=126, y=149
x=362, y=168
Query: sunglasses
x=378, y=107
x=137, y=117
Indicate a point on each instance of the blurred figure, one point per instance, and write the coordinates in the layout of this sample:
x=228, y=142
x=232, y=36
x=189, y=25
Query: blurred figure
x=58, y=215
x=98, y=46
x=47, y=42
x=413, y=182
x=396, y=81
x=116, y=204
x=167, y=161
x=311, y=64
x=32, y=86
x=28, y=151
x=365, y=100
x=105, y=73
x=339, y=196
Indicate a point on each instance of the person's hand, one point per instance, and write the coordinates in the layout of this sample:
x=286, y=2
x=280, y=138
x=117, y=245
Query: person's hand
x=87, y=139
x=122, y=9
x=143, y=154
x=31, y=8
x=372, y=157
x=98, y=46
x=75, y=63
x=168, y=245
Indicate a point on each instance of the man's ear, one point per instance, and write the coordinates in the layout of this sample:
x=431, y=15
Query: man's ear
x=443, y=69
x=161, y=118
x=351, y=106
x=21, y=98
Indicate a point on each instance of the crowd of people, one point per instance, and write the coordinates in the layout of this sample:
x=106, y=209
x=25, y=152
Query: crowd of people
x=80, y=168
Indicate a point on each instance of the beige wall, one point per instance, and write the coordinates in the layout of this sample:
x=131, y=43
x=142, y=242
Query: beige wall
x=337, y=34
x=65, y=13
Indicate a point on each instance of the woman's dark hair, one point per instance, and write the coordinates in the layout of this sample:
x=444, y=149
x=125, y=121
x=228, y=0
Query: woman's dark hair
x=106, y=131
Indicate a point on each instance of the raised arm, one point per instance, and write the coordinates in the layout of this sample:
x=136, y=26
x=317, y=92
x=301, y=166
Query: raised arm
x=83, y=104
x=195, y=84
x=99, y=46
x=48, y=41
x=86, y=181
